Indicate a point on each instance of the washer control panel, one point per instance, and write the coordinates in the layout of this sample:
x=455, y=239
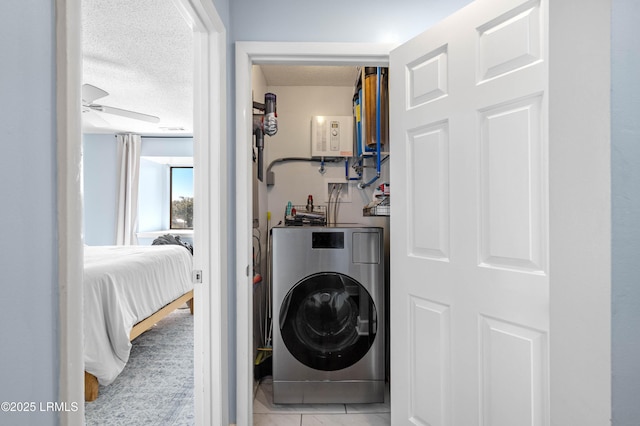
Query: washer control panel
x=327, y=240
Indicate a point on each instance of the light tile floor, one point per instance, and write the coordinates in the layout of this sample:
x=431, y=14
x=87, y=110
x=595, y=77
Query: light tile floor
x=266, y=413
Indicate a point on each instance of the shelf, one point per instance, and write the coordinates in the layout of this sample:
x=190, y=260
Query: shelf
x=377, y=211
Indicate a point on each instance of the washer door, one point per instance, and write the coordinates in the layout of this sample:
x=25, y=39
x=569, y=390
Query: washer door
x=328, y=321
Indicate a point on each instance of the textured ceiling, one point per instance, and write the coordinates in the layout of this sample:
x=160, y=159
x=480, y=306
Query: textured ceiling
x=286, y=75
x=141, y=53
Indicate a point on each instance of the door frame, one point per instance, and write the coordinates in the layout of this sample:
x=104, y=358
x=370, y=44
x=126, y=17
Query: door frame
x=247, y=55
x=211, y=379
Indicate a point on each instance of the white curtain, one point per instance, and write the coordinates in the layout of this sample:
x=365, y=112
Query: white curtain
x=129, y=160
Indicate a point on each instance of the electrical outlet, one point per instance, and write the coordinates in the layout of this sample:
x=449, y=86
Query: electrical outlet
x=341, y=190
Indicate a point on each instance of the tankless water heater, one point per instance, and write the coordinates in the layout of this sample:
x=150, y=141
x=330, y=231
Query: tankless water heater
x=332, y=136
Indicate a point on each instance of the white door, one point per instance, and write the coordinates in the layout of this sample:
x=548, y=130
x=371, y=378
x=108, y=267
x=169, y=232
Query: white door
x=470, y=276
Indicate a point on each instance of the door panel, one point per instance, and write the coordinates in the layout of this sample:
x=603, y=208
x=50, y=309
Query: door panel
x=430, y=353
x=512, y=216
x=427, y=78
x=511, y=41
x=428, y=172
x=512, y=366
x=469, y=231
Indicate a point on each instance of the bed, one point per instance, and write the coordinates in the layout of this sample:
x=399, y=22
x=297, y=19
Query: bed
x=127, y=289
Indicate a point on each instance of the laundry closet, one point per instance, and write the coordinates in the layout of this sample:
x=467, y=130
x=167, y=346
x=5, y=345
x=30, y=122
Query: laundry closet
x=321, y=205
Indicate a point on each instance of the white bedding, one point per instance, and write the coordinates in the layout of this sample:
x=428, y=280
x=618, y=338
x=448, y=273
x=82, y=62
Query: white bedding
x=122, y=286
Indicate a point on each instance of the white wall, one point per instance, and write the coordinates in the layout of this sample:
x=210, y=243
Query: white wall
x=153, y=146
x=153, y=202
x=625, y=211
x=375, y=21
x=296, y=180
x=100, y=177
x=29, y=329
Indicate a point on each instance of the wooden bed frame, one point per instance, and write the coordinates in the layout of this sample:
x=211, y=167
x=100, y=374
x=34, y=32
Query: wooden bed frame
x=91, y=381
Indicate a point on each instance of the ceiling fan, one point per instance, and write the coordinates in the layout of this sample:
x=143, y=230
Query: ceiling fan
x=92, y=93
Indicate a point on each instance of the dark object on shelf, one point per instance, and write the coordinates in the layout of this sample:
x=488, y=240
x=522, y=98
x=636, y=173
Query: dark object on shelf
x=300, y=216
x=382, y=208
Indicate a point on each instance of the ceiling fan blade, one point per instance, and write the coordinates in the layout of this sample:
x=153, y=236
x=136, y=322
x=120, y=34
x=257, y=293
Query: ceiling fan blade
x=91, y=119
x=90, y=93
x=125, y=113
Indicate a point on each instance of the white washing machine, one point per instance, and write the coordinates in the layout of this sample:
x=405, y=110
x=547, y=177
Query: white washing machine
x=328, y=315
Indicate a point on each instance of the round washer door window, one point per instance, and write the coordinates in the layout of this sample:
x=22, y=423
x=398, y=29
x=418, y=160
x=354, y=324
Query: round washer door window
x=328, y=321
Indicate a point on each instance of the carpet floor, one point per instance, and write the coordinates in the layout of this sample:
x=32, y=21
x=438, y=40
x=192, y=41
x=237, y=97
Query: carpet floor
x=156, y=385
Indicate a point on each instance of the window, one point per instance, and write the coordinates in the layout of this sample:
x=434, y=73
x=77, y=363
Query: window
x=181, y=194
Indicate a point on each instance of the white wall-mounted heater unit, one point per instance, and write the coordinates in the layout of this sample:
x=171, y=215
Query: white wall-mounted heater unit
x=332, y=136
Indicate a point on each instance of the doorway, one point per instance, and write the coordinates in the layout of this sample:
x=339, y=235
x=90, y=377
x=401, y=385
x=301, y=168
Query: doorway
x=247, y=55
x=293, y=171
x=211, y=405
